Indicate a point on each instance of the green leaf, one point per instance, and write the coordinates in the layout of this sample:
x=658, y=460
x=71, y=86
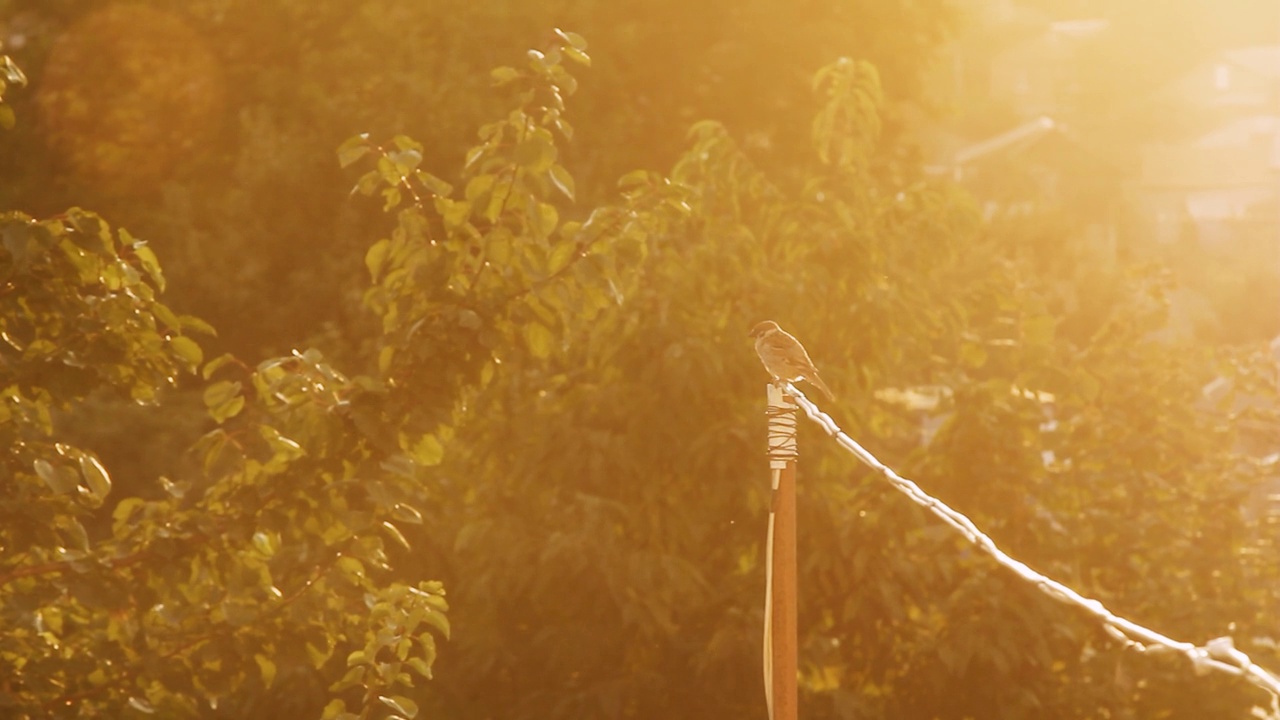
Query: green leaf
x=564, y=127
x=353, y=678
x=353, y=570
x=569, y=230
x=497, y=201
x=12, y=71
x=284, y=446
x=404, y=142
x=150, y=263
x=376, y=257
x=56, y=478
x=470, y=320
x=220, y=392
x=317, y=656
x=498, y=246
x=333, y=710
x=367, y=183
x=434, y=184
x=265, y=543
x=188, y=350
x=211, y=447
x=396, y=535
x=95, y=476
x=548, y=217
x=428, y=451
x=388, y=172
x=503, y=75
x=193, y=323
x=560, y=256
x=353, y=149
x=401, y=704
x=454, y=213
x=227, y=410
x=267, y=667
x=175, y=489
x=439, y=621
x=215, y=364
x=537, y=153
x=39, y=348
x=575, y=40
x=406, y=161
x=537, y=61
x=391, y=196
x=122, y=515
x=633, y=180
x=420, y=666
x=73, y=532
x=478, y=186
x=539, y=338
x=474, y=154
x=406, y=513
x=540, y=308
x=577, y=56
x=563, y=181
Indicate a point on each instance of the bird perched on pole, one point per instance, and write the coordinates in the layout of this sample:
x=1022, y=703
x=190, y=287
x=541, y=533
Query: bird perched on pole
x=784, y=357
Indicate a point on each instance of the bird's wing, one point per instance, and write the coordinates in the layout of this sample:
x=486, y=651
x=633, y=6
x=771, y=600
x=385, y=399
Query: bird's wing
x=790, y=348
x=781, y=342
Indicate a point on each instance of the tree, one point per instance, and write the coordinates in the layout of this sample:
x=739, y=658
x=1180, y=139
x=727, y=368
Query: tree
x=605, y=538
x=260, y=153
x=273, y=552
x=556, y=422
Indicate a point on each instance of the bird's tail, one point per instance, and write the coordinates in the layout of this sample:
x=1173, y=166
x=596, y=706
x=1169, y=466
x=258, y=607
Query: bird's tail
x=816, y=381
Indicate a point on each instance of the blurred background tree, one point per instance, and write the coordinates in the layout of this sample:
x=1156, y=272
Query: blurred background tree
x=218, y=111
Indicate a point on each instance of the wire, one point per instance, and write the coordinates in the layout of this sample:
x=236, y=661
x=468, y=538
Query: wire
x=1218, y=654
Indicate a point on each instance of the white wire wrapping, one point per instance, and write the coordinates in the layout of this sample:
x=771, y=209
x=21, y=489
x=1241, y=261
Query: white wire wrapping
x=1218, y=654
x=782, y=429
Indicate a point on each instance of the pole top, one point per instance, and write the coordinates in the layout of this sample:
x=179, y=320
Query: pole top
x=782, y=428
x=779, y=399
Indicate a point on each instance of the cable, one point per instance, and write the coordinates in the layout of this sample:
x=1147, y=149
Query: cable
x=1218, y=654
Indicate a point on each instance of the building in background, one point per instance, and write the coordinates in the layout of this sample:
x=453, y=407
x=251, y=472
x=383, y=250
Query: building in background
x=1133, y=143
x=1219, y=183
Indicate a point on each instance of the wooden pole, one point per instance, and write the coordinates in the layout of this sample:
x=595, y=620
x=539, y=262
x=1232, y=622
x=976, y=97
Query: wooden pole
x=781, y=638
x=785, y=652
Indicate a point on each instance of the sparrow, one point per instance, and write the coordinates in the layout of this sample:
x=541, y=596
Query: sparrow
x=784, y=357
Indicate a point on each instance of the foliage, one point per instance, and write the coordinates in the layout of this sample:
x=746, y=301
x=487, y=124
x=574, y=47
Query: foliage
x=633, y=491
x=275, y=551
x=556, y=423
x=246, y=206
x=609, y=469
x=278, y=553
x=10, y=74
